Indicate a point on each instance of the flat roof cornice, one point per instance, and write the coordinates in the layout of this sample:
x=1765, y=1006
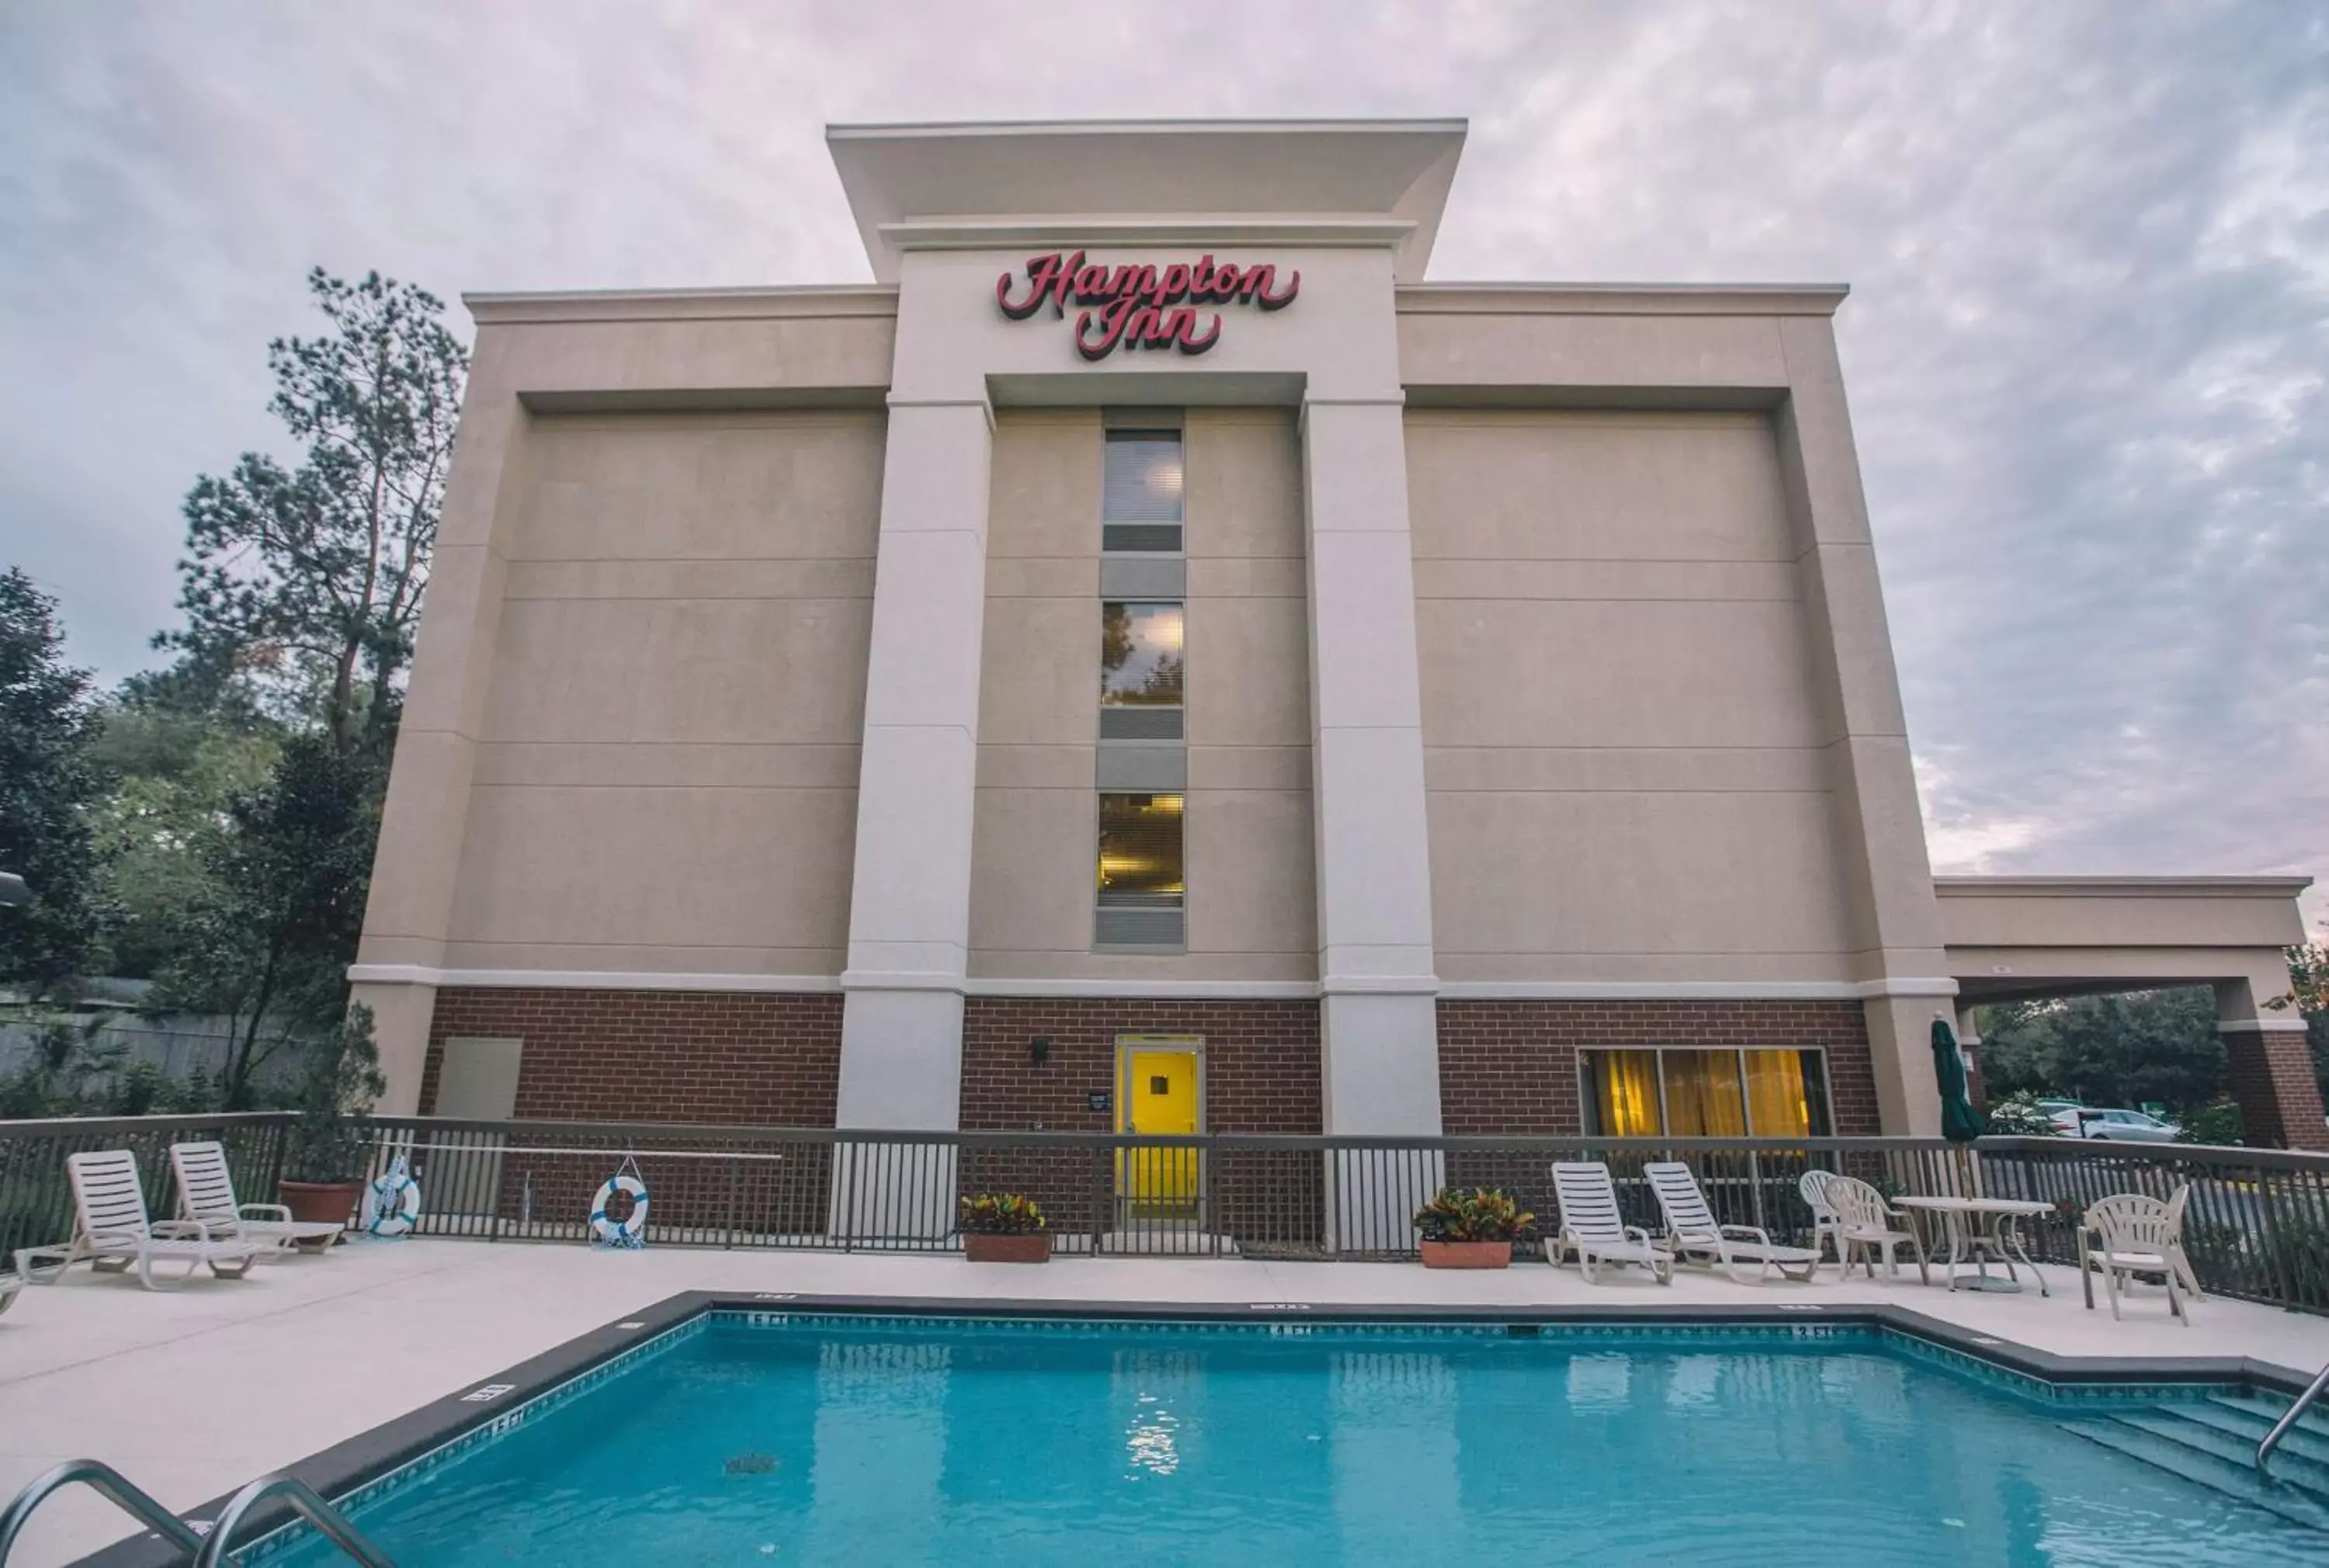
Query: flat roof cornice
x=2120, y=886
x=1371, y=182
x=1622, y=298
x=854, y=299
x=895, y=130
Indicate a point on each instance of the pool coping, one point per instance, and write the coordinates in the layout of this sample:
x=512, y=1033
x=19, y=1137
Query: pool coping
x=345, y=1467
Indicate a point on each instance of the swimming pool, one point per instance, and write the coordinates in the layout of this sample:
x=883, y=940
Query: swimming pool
x=804, y=1438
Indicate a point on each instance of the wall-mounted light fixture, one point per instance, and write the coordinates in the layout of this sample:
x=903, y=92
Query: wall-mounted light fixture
x=1039, y=1050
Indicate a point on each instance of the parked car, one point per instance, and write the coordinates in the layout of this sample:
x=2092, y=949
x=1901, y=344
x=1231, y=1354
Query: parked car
x=2056, y=1106
x=2121, y=1126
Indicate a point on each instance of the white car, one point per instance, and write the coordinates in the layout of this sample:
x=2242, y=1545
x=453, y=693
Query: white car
x=2123, y=1126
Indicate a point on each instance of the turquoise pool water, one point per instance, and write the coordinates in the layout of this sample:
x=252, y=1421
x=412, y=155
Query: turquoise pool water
x=818, y=1441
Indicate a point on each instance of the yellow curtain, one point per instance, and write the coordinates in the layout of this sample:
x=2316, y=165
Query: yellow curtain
x=1777, y=1105
x=1702, y=1096
x=1628, y=1082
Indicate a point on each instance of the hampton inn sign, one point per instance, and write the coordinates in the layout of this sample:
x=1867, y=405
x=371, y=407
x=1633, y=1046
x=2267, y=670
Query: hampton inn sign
x=1136, y=307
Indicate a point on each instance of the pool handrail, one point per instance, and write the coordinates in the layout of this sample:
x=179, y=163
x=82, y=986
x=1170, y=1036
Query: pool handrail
x=2303, y=1403
x=309, y=1504
x=108, y=1483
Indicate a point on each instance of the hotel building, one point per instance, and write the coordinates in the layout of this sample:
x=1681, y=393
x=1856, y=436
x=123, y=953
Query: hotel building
x=1154, y=659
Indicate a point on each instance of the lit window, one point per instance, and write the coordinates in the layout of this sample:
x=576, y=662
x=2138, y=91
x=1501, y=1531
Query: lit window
x=1140, y=655
x=1780, y=1093
x=1141, y=890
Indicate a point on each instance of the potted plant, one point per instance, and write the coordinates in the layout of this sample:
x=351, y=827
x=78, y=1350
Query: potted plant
x=1003, y=1228
x=1473, y=1229
x=324, y=1160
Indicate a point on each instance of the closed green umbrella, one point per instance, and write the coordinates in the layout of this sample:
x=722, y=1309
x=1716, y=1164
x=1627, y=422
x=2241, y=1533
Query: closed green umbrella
x=1960, y=1122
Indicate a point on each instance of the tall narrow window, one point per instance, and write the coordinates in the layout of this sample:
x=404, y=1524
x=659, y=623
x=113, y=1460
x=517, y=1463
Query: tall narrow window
x=1703, y=1098
x=1140, y=670
x=1141, y=887
x=1141, y=483
x=1787, y=1095
x=1621, y=1096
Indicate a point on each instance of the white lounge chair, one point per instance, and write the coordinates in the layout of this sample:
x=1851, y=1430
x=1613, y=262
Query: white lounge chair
x=206, y=1193
x=1745, y=1251
x=111, y=1231
x=1864, y=1227
x=2130, y=1233
x=1825, y=1226
x=1591, y=1226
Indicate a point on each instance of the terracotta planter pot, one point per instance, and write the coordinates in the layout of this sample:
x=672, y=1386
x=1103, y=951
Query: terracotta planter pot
x=1468, y=1254
x=330, y=1202
x=1029, y=1247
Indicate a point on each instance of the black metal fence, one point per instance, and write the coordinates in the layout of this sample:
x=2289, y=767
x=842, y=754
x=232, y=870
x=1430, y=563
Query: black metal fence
x=2257, y=1225
x=36, y=1205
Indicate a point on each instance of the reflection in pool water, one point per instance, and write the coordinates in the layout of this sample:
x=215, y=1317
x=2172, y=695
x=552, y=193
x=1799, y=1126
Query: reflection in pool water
x=936, y=1443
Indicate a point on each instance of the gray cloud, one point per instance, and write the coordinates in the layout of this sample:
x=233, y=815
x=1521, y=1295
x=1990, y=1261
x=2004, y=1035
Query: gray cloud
x=2090, y=246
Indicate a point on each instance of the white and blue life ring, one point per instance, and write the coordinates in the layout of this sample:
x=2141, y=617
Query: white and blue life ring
x=630, y=1230
x=392, y=1203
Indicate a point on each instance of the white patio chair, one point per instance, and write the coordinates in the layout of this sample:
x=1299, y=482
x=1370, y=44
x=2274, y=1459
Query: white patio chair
x=1825, y=1226
x=2178, y=1202
x=1864, y=1224
x=206, y=1193
x=1695, y=1235
x=2130, y=1233
x=1591, y=1226
x=112, y=1233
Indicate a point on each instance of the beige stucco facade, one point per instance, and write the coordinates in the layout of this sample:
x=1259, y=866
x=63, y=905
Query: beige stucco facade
x=1535, y=650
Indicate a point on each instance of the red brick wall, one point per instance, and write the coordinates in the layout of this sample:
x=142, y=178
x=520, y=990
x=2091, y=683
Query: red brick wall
x=1261, y=1060
x=1511, y=1066
x=1261, y=1074
x=751, y=1058
x=2271, y=1073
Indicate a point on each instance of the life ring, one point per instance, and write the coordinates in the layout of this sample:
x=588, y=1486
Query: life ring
x=630, y=1230
x=393, y=1206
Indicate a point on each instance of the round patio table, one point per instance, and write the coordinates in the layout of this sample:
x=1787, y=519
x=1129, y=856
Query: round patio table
x=1981, y=1229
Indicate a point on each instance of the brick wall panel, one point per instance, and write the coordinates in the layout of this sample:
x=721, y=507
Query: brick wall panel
x=1510, y=1068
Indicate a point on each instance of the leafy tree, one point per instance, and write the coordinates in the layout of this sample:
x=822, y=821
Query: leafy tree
x=48, y=779
x=339, y=1081
x=320, y=567
x=2112, y=1051
x=178, y=759
x=2308, y=974
x=269, y=937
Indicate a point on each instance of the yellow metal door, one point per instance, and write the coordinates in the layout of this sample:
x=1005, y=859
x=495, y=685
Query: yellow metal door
x=1159, y=1099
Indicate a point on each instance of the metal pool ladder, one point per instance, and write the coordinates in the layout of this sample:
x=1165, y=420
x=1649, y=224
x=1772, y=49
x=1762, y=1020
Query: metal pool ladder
x=202, y=1552
x=2279, y=1428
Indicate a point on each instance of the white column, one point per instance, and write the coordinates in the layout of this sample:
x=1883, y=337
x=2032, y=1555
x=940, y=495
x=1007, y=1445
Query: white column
x=909, y=901
x=1375, y=958
x=1377, y=1018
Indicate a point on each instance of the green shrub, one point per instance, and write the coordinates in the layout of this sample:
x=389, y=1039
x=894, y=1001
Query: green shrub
x=342, y=1080
x=1482, y=1214
x=1001, y=1214
x=2018, y=1116
x=2218, y=1121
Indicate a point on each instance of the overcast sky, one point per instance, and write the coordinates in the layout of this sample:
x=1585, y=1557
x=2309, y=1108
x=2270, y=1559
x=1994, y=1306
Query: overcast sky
x=2088, y=246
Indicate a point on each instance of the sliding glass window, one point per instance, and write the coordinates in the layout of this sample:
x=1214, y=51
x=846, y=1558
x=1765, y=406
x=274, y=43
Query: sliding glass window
x=1678, y=1094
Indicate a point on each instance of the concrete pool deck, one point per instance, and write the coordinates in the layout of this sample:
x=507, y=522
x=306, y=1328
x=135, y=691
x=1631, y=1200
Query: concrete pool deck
x=192, y=1393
